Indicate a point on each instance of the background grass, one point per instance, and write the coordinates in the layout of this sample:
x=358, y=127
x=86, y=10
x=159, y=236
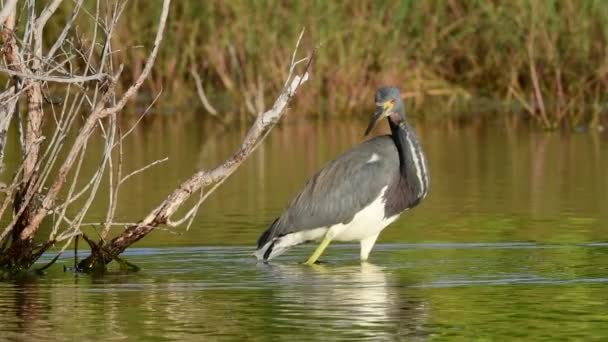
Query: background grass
x=547, y=58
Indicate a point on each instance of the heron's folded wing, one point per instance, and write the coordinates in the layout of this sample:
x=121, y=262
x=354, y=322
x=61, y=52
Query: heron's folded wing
x=342, y=188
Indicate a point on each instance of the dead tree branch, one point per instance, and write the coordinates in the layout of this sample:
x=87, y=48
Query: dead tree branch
x=37, y=186
x=9, y=7
x=198, y=181
x=99, y=113
x=8, y=104
x=55, y=79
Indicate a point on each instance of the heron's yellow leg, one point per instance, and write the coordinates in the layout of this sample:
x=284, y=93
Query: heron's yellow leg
x=317, y=253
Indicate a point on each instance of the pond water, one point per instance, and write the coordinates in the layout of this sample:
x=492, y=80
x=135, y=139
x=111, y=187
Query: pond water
x=511, y=243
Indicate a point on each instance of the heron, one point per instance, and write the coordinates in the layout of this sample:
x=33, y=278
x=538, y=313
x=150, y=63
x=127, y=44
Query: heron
x=358, y=194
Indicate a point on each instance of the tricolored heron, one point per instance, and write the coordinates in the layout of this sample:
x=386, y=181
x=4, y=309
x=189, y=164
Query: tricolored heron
x=355, y=196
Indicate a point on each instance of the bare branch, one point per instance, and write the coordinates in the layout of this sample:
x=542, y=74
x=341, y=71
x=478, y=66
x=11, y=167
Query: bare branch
x=109, y=142
x=47, y=13
x=9, y=7
x=130, y=130
x=70, y=197
x=10, y=49
x=38, y=29
x=8, y=193
x=293, y=63
x=99, y=112
x=61, y=39
x=8, y=103
x=148, y=66
x=162, y=213
x=113, y=190
x=56, y=79
x=142, y=169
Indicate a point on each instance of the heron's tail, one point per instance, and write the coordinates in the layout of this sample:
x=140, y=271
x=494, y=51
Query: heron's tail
x=268, y=243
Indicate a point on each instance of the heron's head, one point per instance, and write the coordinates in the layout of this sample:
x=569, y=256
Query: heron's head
x=388, y=105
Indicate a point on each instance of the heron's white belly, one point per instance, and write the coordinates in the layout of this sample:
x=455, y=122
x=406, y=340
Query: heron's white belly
x=368, y=222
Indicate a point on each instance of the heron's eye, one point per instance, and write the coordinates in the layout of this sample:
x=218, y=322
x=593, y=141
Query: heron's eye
x=392, y=102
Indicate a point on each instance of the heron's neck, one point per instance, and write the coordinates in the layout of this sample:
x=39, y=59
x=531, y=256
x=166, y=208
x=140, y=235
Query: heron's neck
x=412, y=163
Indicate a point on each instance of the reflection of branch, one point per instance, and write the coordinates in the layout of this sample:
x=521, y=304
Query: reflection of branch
x=201, y=92
x=162, y=214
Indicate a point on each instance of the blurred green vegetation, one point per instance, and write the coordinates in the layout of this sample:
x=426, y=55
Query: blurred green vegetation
x=547, y=58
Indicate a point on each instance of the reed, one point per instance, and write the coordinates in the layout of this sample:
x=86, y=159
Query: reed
x=546, y=57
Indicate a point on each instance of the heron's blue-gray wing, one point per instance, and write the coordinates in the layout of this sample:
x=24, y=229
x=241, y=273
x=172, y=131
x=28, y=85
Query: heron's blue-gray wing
x=342, y=188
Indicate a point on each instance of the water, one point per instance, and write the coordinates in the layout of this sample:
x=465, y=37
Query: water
x=411, y=291
x=510, y=244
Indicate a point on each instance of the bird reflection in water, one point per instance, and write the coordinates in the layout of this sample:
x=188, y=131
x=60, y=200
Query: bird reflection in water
x=362, y=301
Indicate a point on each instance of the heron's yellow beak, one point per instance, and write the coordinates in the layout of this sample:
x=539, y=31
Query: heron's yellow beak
x=382, y=110
x=387, y=106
